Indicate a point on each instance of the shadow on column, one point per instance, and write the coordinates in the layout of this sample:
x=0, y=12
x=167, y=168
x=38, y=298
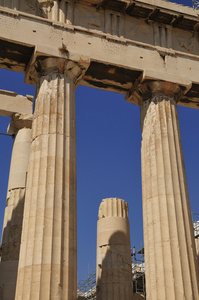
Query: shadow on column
x=10, y=246
x=114, y=280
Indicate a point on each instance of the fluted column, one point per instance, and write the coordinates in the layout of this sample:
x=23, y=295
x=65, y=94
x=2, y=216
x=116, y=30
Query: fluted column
x=20, y=127
x=170, y=255
x=114, y=271
x=47, y=268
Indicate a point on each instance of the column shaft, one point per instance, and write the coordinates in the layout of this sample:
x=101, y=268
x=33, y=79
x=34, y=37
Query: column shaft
x=168, y=230
x=13, y=218
x=47, y=268
x=114, y=270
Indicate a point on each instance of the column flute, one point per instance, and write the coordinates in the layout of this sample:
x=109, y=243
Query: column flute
x=47, y=266
x=170, y=255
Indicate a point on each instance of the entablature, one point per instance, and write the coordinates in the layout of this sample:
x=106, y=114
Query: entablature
x=12, y=103
x=160, y=11
x=119, y=44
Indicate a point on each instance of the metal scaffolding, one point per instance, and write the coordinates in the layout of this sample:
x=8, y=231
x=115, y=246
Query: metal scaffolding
x=196, y=225
x=138, y=270
x=87, y=288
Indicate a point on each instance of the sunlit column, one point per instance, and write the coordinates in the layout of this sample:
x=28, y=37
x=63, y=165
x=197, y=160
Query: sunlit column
x=170, y=254
x=47, y=267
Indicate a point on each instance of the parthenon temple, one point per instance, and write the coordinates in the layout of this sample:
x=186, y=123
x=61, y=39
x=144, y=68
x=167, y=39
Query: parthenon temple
x=147, y=50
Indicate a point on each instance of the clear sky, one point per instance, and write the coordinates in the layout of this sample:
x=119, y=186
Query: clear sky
x=108, y=158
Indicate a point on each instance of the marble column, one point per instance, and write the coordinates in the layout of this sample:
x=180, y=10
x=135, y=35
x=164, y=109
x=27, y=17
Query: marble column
x=47, y=266
x=170, y=254
x=20, y=127
x=114, y=271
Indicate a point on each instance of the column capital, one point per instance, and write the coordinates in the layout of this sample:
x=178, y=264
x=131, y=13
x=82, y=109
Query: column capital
x=43, y=65
x=19, y=121
x=151, y=88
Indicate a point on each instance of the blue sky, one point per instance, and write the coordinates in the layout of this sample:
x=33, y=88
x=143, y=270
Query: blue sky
x=108, y=158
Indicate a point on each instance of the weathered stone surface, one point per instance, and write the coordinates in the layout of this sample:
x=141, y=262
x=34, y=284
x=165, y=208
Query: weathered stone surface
x=162, y=39
x=8, y=279
x=11, y=103
x=20, y=127
x=170, y=256
x=47, y=266
x=114, y=272
x=109, y=33
x=13, y=218
x=11, y=237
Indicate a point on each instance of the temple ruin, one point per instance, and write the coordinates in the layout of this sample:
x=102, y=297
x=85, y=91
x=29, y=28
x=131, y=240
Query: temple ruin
x=113, y=269
x=146, y=50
